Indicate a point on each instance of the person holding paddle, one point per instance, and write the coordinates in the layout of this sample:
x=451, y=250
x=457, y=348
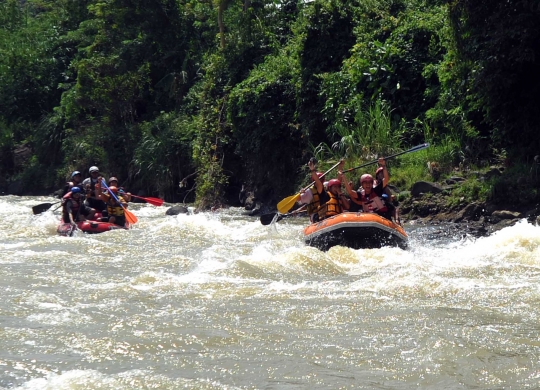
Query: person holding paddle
x=316, y=195
x=76, y=179
x=370, y=194
x=74, y=210
x=115, y=203
x=92, y=196
x=311, y=196
x=113, y=182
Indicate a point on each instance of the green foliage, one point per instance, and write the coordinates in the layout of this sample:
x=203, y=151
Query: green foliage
x=244, y=92
x=262, y=114
x=163, y=157
x=498, y=41
x=469, y=191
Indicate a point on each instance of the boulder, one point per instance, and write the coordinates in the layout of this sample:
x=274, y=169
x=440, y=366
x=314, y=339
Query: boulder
x=505, y=214
x=15, y=188
x=471, y=212
x=423, y=187
x=178, y=209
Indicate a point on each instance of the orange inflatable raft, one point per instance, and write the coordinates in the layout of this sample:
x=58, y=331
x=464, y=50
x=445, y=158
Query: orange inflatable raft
x=355, y=230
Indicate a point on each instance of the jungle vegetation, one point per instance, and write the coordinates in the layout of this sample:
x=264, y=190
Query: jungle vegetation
x=191, y=99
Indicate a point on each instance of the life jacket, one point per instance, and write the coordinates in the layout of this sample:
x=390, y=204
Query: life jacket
x=330, y=208
x=75, y=206
x=92, y=183
x=315, y=201
x=114, y=208
x=372, y=203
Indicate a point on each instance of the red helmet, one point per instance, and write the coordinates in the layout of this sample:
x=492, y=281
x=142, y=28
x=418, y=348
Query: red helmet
x=366, y=177
x=334, y=182
x=320, y=175
x=113, y=189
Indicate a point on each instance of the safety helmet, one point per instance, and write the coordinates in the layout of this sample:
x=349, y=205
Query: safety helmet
x=366, y=177
x=75, y=173
x=320, y=175
x=334, y=182
x=113, y=179
x=76, y=190
x=113, y=189
x=93, y=169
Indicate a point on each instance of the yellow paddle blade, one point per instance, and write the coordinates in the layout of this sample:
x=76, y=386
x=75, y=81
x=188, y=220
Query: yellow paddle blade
x=286, y=204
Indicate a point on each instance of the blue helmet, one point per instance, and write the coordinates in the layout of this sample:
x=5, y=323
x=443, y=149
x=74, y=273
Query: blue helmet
x=76, y=190
x=75, y=173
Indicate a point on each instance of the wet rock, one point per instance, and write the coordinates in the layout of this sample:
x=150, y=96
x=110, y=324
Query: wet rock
x=250, y=202
x=505, y=214
x=178, y=209
x=471, y=212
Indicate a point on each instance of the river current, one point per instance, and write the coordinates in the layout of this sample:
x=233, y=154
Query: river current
x=219, y=301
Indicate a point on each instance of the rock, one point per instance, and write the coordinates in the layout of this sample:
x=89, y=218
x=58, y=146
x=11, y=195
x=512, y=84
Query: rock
x=21, y=155
x=505, y=214
x=471, y=212
x=493, y=172
x=250, y=202
x=422, y=187
x=15, y=188
x=178, y=209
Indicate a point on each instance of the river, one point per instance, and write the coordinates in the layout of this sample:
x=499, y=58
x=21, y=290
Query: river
x=219, y=301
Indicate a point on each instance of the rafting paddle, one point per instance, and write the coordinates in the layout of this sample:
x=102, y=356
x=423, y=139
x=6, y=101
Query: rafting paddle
x=40, y=208
x=415, y=149
x=130, y=217
x=152, y=201
x=288, y=203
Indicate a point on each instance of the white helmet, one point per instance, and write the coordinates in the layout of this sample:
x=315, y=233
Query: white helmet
x=93, y=169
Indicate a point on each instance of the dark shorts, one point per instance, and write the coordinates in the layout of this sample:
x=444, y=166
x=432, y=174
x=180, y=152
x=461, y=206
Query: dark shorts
x=96, y=204
x=119, y=220
x=85, y=211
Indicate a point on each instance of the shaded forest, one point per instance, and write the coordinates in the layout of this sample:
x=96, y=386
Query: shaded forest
x=192, y=99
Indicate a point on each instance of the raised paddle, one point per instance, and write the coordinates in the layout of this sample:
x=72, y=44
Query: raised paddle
x=130, y=217
x=415, y=149
x=40, y=208
x=152, y=201
x=286, y=204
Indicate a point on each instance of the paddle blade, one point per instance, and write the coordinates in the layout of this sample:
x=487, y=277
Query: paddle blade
x=40, y=208
x=266, y=219
x=286, y=204
x=130, y=217
x=153, y=201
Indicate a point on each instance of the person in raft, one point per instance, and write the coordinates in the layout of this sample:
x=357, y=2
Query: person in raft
x=333, y=201
x=370, y=194
x=74, y=210
x=312, y=197
x=113, y=181
x=114, y=207
x=76, y=179
x=89, y=185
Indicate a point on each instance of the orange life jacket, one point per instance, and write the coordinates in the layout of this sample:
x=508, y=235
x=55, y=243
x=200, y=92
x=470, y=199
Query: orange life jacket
x=330, y=208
